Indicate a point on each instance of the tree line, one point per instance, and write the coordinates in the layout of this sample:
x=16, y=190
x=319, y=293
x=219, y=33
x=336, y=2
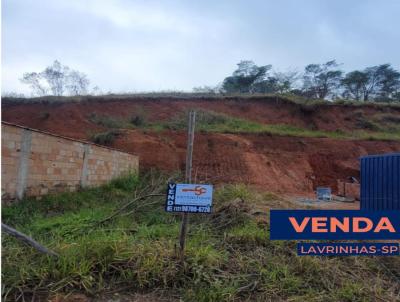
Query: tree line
x=319, y=81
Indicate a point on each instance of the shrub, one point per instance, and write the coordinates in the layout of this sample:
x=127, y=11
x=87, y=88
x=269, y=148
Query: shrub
x=105, y=138
x=138, y=120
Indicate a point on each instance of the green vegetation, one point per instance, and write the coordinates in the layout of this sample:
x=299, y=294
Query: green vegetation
x=382, y=126
x=138, y=120
x=108, y=121
x=387, y=121
x=228, y=258
x=209, y=121
x=105, y=138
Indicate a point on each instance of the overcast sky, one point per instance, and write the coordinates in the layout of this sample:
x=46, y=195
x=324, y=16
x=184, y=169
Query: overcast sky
x=127, y=45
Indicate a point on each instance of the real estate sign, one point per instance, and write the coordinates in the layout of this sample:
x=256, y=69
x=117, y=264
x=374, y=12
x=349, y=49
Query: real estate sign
x=189, y=198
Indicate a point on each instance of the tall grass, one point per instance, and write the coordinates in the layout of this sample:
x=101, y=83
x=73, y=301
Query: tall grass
x=229, y=256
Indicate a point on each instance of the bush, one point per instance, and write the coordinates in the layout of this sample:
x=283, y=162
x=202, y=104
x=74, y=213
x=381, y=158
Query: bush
x=107, y=121
x=105, y=138
x=138, y=120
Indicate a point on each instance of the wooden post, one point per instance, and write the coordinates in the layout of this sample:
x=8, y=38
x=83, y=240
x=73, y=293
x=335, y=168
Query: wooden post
x=188, y=179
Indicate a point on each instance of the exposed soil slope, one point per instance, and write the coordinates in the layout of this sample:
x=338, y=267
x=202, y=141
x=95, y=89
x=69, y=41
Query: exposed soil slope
x=280, y=164
x=74, y=115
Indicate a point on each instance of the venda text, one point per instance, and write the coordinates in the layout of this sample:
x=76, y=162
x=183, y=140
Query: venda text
x=334, y=224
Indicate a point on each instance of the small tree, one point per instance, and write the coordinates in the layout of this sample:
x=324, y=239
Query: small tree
x=388, y=82
x=246, y=77
x=33, y=79
x=321, y=80
x=77, y=83
x=354, y=84
x=58, y=79
x=56, y=76
x=285, y=81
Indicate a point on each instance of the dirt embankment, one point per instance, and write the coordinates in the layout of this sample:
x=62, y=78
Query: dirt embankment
x=281, y=164
x=72, y=117
x=278, y=164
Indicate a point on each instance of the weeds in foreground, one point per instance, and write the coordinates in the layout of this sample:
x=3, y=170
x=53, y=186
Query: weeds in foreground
x=229, y=256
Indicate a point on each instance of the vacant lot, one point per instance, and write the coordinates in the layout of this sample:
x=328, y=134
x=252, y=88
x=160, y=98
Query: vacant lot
x=229, y=256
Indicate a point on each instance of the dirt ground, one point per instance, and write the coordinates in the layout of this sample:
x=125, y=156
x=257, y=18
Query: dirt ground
x=290, y=165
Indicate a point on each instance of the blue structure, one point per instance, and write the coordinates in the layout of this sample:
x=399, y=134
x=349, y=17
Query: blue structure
x=380, y=182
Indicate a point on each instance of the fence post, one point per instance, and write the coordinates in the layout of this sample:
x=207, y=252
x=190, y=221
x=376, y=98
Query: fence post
x=23, y=167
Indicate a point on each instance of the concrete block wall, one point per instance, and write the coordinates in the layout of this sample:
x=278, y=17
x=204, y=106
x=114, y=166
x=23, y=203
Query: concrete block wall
x=35, y=163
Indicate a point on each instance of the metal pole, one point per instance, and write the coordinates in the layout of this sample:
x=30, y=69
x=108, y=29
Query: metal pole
x=188, y=178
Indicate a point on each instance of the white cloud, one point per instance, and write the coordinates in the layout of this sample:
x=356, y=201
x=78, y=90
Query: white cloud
x=134, y=15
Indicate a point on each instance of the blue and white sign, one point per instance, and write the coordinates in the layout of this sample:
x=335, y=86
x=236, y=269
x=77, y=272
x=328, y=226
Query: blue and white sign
x=190, y=198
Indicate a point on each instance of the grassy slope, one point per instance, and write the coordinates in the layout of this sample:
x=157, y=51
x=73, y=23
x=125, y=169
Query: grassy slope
x=229, y=256
x=382, y=127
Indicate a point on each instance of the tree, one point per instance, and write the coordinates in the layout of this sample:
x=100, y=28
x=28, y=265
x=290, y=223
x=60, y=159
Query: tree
x=58, y=79
x=77, y=83
x=321, y=80
x=56, y=76
x=379, y=82
x=34, y=80
x=269, y=85
x=285, y=81
x=247, y=76
x=388, y=82
x=354, y=84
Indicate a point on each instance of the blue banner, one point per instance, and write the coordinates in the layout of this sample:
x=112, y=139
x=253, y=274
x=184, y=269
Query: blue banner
x=334, y=224
x=348, y=249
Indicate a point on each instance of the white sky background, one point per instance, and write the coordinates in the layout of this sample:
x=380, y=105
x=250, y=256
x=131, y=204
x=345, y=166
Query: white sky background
x=127, y=45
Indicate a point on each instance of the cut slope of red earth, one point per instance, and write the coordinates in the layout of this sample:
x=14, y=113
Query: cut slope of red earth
x=278, y=164
x=293, y=165
x=73, y=116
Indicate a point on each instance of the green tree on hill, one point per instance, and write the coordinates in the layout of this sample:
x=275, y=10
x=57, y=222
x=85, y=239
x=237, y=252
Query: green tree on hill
x=321, y=80
x=380, y=82
x=245, y=78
